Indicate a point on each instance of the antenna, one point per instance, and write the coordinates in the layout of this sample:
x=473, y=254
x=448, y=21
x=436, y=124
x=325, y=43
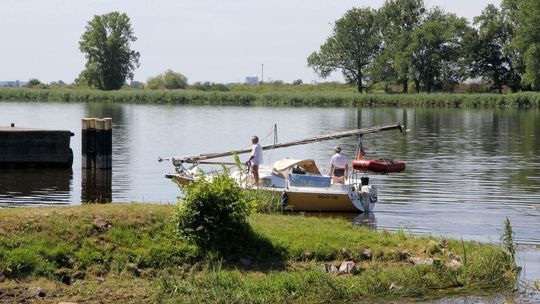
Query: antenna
x=275, y=134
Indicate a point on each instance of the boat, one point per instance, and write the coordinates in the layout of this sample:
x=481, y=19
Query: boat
x=299, y=181
x=379, y=166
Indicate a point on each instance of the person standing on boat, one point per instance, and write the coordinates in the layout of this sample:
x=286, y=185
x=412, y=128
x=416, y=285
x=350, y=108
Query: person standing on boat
x=255, y=159
x=339, y=166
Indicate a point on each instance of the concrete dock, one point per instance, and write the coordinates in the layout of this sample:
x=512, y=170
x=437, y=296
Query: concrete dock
x=35, y=148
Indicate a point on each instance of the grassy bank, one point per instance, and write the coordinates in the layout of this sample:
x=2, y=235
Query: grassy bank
x=277, y=97
x=130, y=253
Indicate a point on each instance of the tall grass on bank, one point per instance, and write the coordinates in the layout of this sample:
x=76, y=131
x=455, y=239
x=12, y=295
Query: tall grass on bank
x=338, y=98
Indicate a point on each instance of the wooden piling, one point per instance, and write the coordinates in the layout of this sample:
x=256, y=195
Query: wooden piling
x=96, y=143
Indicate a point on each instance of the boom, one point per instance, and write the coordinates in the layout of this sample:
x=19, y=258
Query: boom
x=357, y=132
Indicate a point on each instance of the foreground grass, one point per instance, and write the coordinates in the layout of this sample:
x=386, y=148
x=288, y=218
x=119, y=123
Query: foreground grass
x=274, y=96
x=129, y=253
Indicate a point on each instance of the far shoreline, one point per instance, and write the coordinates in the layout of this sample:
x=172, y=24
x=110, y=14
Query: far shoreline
x=275, y=96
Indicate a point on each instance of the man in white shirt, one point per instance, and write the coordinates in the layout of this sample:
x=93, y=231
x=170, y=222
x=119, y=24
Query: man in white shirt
x=339, y=166
x=255, y=159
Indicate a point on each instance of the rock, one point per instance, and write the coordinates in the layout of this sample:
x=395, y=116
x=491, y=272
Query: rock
x=101, y=223
x=453, y=256
x=100, y=280
x=425, y=261
x=395, y=286
x=334, y=269
x=36, y=292
x=366, y=254
x=405, y=255
x=537, y=284
x=245, y=262
x=347, y=267
x=453, y=264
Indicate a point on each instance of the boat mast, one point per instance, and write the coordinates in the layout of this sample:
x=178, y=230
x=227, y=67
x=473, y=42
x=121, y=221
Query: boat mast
x=358, y=132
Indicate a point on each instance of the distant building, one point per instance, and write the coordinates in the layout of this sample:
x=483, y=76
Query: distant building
x=13, y=84
x=252, y=80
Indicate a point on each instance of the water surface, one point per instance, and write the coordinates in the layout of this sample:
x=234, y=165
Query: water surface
x=467, y=169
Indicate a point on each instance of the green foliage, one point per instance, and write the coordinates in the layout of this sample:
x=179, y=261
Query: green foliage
x=213, y=213
x=343, y=96
x=404, y=42
x=32, y=83
x=155, y=83
x=89, y=254
x=401, y=18
x=169, y=80
x=508, y=240
x=106, y=46
x=486, y=53
x=526, y=15
x=353, y=46
x=174, y=80
x=531, y=77
x=434, y=49
x=264, y=201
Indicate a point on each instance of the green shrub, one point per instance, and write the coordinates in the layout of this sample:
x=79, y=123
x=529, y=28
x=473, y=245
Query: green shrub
x=213, y=213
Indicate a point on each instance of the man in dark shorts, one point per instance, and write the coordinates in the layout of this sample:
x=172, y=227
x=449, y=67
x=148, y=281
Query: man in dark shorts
x=339, y=167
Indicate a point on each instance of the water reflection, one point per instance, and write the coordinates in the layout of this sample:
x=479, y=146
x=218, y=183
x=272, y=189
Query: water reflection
x=35, y=186
x=96, y=186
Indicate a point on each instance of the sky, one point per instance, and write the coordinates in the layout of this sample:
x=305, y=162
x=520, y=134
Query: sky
x=206, y=40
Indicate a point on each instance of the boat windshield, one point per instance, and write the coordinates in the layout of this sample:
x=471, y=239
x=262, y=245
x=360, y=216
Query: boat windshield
x=301, y=180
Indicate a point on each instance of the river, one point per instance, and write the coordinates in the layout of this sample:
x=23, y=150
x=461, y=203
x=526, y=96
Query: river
x=467, y=169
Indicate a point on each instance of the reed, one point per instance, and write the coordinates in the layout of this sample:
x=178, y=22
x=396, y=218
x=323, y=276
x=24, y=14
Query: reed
x=276, y=97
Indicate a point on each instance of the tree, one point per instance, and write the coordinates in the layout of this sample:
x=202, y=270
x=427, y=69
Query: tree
x=106, y=45
x=32, y=83
x=168, y=80
x=401, y=18
x=352, y=48
x=435, y=49
x=485, y=50
x=155, y=83
x=174, y=80
x=527, y=39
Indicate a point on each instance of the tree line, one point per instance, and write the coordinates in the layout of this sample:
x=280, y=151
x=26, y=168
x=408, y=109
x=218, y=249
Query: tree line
x=404, y=43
